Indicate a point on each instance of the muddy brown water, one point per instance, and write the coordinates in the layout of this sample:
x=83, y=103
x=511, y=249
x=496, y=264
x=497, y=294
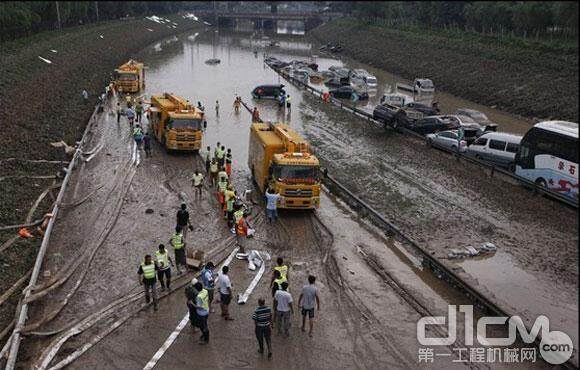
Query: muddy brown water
x=368, y=325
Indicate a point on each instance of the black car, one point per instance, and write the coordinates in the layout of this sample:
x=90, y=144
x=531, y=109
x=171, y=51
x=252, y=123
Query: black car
x=429, y=125
x=390, y=115
x=345, y=92
x=337, y=82
x=268, y=91
x=423, y=108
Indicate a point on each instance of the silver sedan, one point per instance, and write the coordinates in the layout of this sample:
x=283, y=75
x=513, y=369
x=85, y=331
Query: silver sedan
x=447, y=140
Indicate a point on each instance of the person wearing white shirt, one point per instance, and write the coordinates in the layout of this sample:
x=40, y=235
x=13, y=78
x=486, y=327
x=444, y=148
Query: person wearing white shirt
x=283, y=309
x=225, y=289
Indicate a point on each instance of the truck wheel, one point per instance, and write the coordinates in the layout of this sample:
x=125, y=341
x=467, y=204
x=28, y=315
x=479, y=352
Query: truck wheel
x=512, y=167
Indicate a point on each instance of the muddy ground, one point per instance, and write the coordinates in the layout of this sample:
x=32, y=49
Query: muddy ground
x=41, y=103
x=367, y=319
x=522, y=81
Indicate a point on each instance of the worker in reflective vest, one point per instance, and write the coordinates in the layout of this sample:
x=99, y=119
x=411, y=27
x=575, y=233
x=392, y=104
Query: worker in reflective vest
x=179, y=248
x=229, y=163
x=288, y=100
x=202, y=310
x=220, y=155
x=277, y=282
x=241, y=227
x=164, y=263
x=222, y=186
x=282, y=268
x=147, y=271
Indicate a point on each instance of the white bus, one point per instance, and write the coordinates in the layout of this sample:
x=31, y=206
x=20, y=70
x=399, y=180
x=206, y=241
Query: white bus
x=548, y=156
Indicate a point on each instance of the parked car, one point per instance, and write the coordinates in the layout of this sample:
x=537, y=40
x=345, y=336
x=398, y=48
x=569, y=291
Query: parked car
x=268, y=91
x=341, y=72
x=497, y=147
x=395, y=116
x=328, y=74
x=472, y=129
x=362, y=77
x=475, y=115
x=447, y=140
x=301, y=73
x=396, y=99
x=423, y=108
x=337, y=82
x=420, y=86
x=345, y=92
x=431, y=124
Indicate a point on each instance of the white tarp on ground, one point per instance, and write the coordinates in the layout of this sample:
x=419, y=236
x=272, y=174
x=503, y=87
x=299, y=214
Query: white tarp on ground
x=255, y=258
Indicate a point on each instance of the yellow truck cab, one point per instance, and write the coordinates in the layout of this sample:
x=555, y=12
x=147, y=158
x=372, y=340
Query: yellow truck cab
x=175, y=123
x=130, y=77
x=280, y=159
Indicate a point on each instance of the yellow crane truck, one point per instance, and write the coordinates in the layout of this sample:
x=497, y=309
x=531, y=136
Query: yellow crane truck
x=130, y=77
x=280, y=159
x=175, y=123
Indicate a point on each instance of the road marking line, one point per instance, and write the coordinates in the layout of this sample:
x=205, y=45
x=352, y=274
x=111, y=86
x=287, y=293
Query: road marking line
x=168, y=342
x=244, y=297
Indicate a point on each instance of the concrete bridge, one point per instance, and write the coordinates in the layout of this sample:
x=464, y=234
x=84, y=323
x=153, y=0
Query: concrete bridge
x=265, y=20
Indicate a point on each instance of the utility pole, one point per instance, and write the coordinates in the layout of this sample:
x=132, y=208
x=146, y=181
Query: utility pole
x=58, y=14
x=97, y=9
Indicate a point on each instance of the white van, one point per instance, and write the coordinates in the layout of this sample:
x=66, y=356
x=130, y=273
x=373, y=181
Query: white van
x=500, y=148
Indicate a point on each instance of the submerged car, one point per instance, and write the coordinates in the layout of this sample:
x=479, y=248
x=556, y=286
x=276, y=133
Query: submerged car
x=447, y=140
x=432, y=124
x=346, y=92
x=268, y=91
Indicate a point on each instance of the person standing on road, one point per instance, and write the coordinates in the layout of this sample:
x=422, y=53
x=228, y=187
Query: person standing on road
x=262, y=317
x=237, y=104
x=85, y=95
x=230, y=198
x=208, y=277
x=288, y=102
x=217, y=108
x=207, y=160
x=147, y=271
x=241, y=227
x=306, y=301
x=255, y=115
x=282, y=268
x=183, y=220
x=191, y=296
x=229, y=161
x=139, y=111
x=138, y=135
x=119, y=112
x=164, y=263
x=272, y=205
x=277, y=281
x=283, y=310
x=213, y=172
x=179, y=248
x=225, y=289
x=221, y=156
x=197, y=182
x=147, y=145
x=130, y=116
x=202, y=310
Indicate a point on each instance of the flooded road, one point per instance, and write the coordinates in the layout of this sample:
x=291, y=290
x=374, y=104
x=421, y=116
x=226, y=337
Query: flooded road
x=373, y=288
x=419, y=189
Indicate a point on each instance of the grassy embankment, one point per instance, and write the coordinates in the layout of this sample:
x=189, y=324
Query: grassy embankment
x=533, y=79
x=41, y=103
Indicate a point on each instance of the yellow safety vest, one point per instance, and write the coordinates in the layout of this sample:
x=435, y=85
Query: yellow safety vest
x=220, y=153
x=222, y=186
x=204, y=299
x=148, y=270
x=197, y=179
x=213, y=167
x=283, y=270
x=230, y=204
x=162, y=259
x=279, y=282
x=177, y=241
x=223, y=175
x=238, y=215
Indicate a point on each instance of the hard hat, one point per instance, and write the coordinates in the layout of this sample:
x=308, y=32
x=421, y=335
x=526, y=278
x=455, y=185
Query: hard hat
x=193, y=281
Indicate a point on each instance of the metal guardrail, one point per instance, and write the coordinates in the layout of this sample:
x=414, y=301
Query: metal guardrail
x=369, y=117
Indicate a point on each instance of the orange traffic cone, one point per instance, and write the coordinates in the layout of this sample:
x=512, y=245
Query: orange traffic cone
x=24, y=233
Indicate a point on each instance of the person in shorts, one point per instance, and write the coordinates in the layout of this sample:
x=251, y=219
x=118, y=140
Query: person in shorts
x=225, y=289
x=197, y=182
x=308, y=297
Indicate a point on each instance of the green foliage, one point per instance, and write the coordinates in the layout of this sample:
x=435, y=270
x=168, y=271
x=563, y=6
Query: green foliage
x=523, y=18
x=23, y=18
